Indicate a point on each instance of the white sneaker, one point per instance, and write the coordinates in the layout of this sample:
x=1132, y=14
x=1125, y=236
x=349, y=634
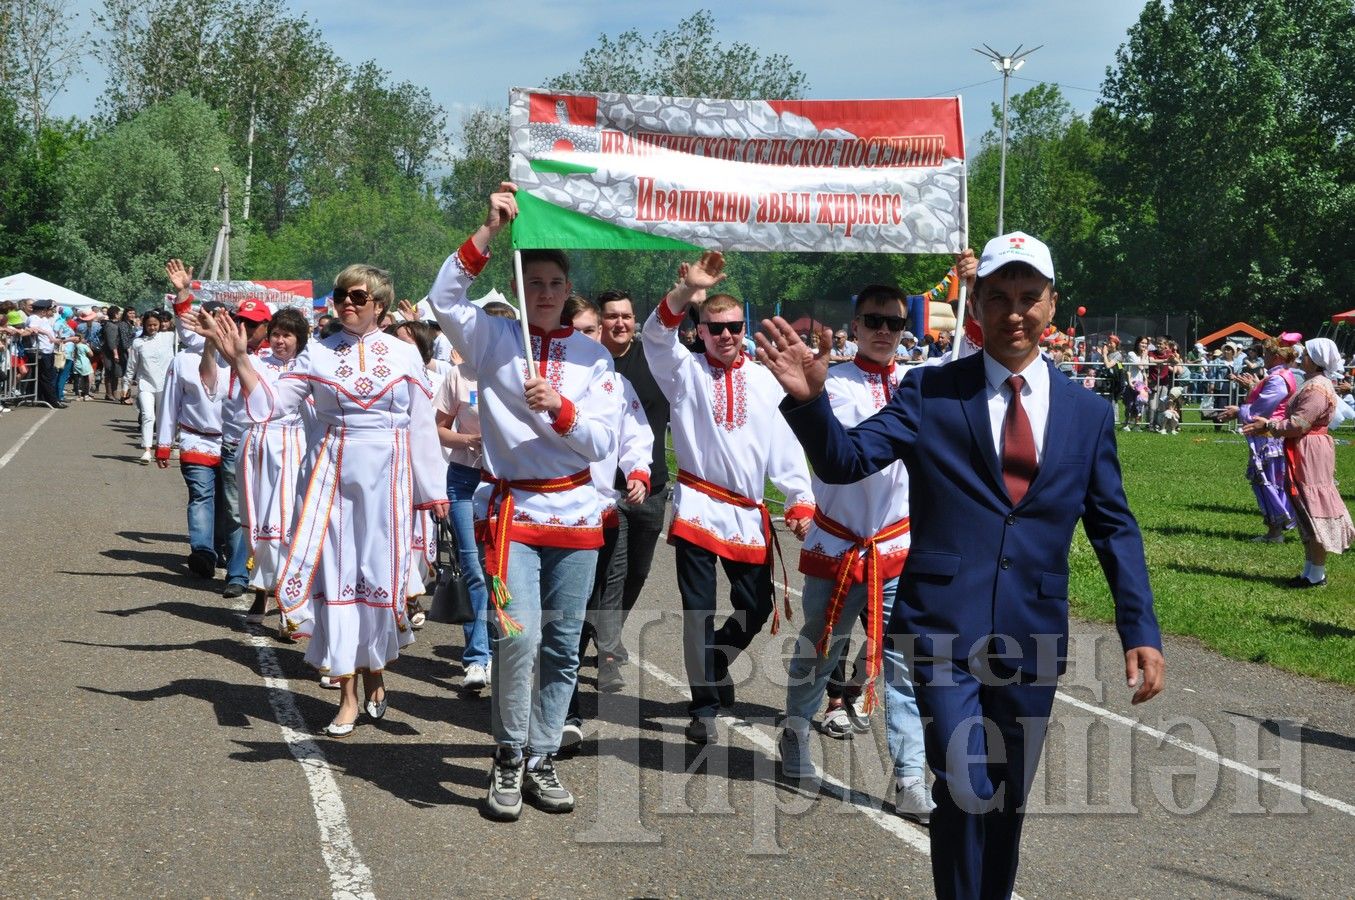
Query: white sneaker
x=476, y=678
x=146, y=457
x=796, y=762
x=914, y=800
x=571, y=736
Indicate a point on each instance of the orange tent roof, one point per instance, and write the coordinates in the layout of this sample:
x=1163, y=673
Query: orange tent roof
x=1234, y=328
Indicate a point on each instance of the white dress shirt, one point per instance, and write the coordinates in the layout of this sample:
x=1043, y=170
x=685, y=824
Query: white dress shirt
x=1034, y=399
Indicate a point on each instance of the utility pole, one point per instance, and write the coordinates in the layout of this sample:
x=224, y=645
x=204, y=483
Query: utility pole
x=218, y=261
x=1007, y=65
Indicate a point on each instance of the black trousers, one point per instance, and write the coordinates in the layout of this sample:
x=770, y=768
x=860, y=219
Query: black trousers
x=623, y=579
x=47, y=378
x=708, y=651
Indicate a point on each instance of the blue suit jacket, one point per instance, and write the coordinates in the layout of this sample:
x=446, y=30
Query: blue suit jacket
x=980, y=566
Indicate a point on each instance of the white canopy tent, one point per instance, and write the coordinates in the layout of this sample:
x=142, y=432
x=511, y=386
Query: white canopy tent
x=23, y=286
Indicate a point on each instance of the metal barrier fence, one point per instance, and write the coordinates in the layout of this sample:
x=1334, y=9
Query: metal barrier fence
x=17, y=388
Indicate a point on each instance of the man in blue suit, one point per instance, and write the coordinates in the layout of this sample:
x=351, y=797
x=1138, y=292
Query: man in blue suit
x=1004, y=456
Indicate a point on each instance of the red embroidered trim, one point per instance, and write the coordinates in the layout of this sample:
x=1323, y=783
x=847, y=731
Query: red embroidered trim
x=565, y=418
x=669, y=318
x=472, y=260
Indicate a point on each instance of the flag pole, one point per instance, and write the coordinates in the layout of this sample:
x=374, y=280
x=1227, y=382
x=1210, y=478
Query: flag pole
x=964, y=244
x=522, y=309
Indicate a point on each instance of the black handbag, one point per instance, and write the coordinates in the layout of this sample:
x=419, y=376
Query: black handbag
x=451, y=598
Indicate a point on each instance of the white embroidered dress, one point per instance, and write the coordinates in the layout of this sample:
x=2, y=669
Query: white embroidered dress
x=378, y=460
x=728, y=432
x=271, y=460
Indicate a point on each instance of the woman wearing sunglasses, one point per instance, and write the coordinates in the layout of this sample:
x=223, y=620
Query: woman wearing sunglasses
x=377, y=461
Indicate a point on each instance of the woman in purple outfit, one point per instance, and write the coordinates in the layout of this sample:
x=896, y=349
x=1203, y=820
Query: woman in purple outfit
x=1267, y=468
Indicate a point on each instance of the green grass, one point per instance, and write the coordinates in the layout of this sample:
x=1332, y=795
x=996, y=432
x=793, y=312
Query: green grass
x=1210, y=582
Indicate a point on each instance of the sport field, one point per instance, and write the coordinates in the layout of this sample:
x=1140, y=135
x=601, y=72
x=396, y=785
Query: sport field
x=1198, y=515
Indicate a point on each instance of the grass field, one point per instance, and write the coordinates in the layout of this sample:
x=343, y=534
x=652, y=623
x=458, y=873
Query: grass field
x=1198, y=516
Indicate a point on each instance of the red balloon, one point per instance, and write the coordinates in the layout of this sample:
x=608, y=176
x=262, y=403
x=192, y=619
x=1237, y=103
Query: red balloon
x=1082, y=310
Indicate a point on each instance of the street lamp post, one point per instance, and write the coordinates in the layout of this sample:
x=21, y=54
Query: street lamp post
x=1007, y=65
x=218, y=260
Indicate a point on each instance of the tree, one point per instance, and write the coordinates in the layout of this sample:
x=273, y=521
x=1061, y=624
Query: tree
x=141, y=193
x=282, y=91
x=39, y=54
x=33, y=183
x=1228, y=172
x=397, y=226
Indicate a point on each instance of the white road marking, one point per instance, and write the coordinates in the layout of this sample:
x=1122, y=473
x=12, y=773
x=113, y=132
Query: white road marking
x=4, y=460
x=1252, y=771
x=1338, y=805
x=349, y=877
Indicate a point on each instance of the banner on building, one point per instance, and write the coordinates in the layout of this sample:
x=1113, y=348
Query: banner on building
x=629, y=172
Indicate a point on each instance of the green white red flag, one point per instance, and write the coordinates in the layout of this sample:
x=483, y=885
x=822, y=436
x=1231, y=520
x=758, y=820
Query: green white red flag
x=630, y=172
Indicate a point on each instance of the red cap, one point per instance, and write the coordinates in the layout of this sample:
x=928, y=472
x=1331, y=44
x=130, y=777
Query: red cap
x=254, y=311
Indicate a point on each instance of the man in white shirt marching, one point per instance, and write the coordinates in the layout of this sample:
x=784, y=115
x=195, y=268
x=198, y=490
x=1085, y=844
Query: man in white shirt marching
x=852, y=557
x=541, y=429
x=729, y=440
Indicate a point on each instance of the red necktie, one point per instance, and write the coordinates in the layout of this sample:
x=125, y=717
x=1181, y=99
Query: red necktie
x=1018, y=445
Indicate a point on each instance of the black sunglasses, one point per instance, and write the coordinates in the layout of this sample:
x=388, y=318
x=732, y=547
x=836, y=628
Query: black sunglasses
x=873, y=321
x=355, y=296
x=716, y=328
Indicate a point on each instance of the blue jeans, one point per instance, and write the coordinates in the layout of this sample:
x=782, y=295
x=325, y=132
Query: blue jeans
x=809, y=672
x=534, y=672
x=461, y=482
x=231, y=536
x=201, y=481
x=63, y=375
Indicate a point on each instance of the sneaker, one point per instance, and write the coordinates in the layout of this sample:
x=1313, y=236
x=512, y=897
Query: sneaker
x=913, y=801
x=610, y=679
x=234, y=590
x=857, y=716
x=146, y=457
x=330, y=684
x=504, y=800
x=571, y=736
x=702, y=730
x=796, y=762
x=542, y=786
x=476, y=678
x=835, y=724
x=1301, y=582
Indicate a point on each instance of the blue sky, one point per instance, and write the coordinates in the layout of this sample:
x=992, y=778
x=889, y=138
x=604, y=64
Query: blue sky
x=469, y=54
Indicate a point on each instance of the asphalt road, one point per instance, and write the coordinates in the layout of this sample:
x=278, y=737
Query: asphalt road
x=153, y=746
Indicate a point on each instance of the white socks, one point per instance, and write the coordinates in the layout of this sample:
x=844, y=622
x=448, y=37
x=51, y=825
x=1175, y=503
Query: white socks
x=1313, y=573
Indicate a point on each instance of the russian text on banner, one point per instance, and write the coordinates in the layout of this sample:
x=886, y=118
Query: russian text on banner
x=629, y=172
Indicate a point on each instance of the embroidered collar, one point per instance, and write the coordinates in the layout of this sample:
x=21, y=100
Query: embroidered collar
x=866, y=365
x=555, y=335
x=364, y=335
x=716, y=364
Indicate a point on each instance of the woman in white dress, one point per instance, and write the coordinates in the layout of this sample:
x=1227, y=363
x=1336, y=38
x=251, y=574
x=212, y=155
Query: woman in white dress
x=377, y=462
x=271, y=460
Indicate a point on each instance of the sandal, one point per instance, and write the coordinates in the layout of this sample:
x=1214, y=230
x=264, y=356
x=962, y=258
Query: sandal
x=417, y=616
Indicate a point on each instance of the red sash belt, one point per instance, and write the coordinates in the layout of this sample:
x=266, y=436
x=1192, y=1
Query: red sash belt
x=875, y=600
x=725, y=495
x=500, y=519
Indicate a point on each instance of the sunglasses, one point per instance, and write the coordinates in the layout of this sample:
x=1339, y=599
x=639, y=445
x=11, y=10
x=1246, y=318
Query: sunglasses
x=718, y=328
x=873, y=321
x=355, y=296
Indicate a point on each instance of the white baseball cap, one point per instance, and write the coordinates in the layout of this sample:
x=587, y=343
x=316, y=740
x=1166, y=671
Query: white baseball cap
x=1013, y=248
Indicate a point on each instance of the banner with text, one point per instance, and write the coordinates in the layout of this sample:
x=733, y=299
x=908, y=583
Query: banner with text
x=628, y=172
x=290, y=294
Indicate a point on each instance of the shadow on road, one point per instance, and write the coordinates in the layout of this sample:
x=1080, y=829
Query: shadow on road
x=1316, y=737
x=1220, y=883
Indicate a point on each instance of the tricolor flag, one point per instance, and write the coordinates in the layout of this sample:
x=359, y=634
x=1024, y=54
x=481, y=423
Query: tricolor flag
x=628, y=172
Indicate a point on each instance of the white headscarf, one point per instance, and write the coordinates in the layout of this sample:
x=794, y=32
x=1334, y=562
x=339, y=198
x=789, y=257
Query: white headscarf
x=1323, y=352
